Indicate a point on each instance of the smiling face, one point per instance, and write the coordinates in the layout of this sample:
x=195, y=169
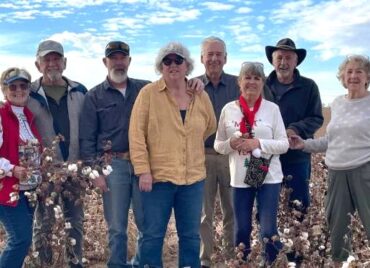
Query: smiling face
x=213, y=58
x=355, y=79
x=284, y=62
x=174, y=67
x=17, y=92
x=51, y=66
x=354, y=76
x=251, y=86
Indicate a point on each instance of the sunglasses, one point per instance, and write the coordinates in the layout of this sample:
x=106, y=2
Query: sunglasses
x=255, y=64
x=22, y=86
x=168, y=61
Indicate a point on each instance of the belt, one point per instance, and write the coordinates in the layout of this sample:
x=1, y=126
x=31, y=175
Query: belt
x=122, y=155
x=210, y=150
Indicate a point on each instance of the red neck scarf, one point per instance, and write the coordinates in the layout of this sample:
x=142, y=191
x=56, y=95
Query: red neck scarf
x=248, y=114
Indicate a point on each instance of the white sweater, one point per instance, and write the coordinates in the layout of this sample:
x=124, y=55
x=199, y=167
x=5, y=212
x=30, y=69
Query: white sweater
x=269, y=130
x=347, y=139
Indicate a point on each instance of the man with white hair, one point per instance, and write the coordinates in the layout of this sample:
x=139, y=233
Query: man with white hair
x=221, y=88
x=298, y=98
x=56, y=102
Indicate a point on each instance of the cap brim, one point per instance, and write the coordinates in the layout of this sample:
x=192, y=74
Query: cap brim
x=14, y=78
x=45, y=52
x=301, y=53
x=175, y=53
x=107, y=54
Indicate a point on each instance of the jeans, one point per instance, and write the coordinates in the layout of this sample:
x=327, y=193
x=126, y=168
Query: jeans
x=44, y=221
x=17, y=222
x=267, y=197
x=299, y=183
x=123, y=190
x=186, y=200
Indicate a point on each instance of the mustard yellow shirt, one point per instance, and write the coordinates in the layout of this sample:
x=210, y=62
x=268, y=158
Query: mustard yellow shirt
x=161, y=144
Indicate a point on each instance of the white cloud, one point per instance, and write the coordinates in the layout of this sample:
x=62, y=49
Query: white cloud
x=21, y=15
x=244, y=10
x=338, y=27
x=56, y=14
x=243, y=33
x=329, y=85
x=253, y=48
x=169, y=15
x=115, y=24
x=84, y=44
x=86, y=3
x=216, y=6
x=8, y=5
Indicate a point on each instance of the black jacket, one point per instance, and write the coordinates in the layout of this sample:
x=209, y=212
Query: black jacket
x=300, y=108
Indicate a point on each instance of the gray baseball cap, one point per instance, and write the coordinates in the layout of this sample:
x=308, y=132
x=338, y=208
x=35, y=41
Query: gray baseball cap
x=17, y=74
x=49, y=46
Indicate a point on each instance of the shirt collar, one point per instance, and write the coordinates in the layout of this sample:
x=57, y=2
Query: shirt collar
x=222, y=80
x=162, y=84
x=107, y=85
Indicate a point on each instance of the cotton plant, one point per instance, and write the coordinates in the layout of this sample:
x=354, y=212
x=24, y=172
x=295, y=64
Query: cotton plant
x=307, y=236
x=71, y=180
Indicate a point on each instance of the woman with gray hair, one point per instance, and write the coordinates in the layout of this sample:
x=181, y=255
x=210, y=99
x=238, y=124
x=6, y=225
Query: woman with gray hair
x=251, y=131
x=168, y=128
x=347, y=147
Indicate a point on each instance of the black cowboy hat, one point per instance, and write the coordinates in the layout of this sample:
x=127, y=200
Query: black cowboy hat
x=286, y=44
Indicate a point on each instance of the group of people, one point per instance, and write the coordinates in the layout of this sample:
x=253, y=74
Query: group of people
x=167, y=155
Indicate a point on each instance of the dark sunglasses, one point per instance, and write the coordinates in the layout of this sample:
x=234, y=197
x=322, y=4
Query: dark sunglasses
x=23, y=86
x=168, y=61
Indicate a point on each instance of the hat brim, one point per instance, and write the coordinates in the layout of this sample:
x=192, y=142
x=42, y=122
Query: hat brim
x=107, y=54
x=175, y=53
x=301, y=53
x=15, y=78
x=45, y=52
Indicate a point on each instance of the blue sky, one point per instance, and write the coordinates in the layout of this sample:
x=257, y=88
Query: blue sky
x=329, y=30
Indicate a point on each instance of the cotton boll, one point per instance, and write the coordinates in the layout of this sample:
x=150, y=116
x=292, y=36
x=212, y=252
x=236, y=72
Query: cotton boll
x=237, y=134
x=107, y=170
x=72, y=167
x=256, y=153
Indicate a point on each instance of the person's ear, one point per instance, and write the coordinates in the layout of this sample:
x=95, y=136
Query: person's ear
x=37, y=66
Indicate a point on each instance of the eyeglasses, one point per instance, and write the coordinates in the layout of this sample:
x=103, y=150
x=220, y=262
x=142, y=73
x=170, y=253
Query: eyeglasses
x=22, y=86
x=168, y=61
